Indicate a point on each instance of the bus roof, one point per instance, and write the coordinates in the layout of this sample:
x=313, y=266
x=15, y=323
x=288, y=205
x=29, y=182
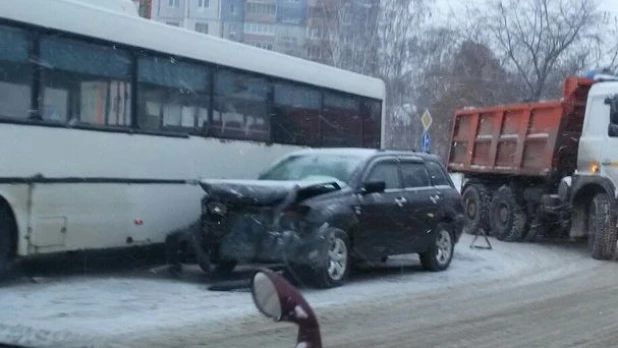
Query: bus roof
x=101, y=23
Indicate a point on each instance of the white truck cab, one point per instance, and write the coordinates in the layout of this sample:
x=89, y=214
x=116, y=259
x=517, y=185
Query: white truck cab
x=592, y=190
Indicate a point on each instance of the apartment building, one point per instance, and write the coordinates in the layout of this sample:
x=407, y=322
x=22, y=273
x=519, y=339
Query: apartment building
x=144, y=8
x=302, y=28
x=232, y=18
x=200, y=15
x=290, y=29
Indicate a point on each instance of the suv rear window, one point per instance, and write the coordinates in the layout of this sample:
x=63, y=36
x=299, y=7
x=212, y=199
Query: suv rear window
x=438, y=177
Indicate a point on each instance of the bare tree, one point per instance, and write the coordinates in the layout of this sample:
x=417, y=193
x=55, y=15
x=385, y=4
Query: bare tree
x=612, y=53
x=540, y=37
x=376, y=38
x=469, y=74
x=349, y=34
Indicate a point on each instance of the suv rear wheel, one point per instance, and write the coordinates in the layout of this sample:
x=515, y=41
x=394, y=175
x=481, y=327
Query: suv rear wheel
x=440, y=253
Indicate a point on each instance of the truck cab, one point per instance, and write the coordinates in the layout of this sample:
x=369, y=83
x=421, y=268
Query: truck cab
x=543, y=169
x=592, y=188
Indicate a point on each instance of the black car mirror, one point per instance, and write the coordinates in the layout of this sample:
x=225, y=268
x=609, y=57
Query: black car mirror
x=373, y=187
x=279, y=300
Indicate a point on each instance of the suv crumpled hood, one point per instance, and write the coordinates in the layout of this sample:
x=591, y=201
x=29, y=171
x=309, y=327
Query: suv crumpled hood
x=264, y=192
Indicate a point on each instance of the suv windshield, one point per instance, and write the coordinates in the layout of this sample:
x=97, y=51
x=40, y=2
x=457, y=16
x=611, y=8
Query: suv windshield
x=314, y=166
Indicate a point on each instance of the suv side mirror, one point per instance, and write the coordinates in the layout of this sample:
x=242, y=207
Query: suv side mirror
x=373, y=187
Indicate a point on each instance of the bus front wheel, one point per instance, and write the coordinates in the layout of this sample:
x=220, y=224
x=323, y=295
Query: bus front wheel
x=7, y=240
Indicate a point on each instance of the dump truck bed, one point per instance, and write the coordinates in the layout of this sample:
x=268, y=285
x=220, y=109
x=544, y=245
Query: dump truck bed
x=530, y=139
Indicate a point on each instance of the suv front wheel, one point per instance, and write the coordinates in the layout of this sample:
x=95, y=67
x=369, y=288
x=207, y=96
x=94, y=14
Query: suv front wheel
x=334, y=269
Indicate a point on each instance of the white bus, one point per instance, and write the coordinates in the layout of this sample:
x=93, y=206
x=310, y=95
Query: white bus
x=107, y=120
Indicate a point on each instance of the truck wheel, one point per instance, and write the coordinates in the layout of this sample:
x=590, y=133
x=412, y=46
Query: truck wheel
x=333, y=271
x=476, y=200
x=8, y=231
x=440, y=253
x=601, y=231
x=508, y=219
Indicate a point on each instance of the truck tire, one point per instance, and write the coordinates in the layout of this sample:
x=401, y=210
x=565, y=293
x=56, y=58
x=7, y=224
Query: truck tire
x=602, y=233
x=508, y=218
x=476, y=199
x=8, y=230
x=333, y=271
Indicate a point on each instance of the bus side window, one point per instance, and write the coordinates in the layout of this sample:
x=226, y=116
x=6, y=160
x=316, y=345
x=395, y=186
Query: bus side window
x=172, y=95
x=15, y=73
x=242, y=101
x=341, y=122
x=372, y=123
x=84, y=82
x=296, y=114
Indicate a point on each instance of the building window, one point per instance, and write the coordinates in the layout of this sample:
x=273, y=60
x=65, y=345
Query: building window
x=241, y=106
x=259, y=29
x=84, y=82
x=173, y=24
x=232, y=9
x=173, y=3
x=201, y=28
x=296, y=114
x=263, y=45
x=15, y=73
x=261, y=9
x=172, y=95
x=203, y=4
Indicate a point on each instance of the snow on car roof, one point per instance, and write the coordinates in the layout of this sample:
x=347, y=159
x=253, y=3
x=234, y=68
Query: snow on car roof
x=361, y=152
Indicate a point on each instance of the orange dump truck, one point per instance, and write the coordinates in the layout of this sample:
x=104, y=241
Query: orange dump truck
x=514, y=158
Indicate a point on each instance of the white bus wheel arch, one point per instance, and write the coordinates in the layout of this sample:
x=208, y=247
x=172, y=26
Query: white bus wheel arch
x=8, y=238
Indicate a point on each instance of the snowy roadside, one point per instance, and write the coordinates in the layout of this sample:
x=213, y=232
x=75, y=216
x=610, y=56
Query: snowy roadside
x=91, y=309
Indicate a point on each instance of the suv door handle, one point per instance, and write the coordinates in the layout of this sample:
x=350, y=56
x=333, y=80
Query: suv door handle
x=401, y=201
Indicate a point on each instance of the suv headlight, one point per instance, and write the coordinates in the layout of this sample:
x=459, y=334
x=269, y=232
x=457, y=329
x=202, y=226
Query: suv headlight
x=216, y=208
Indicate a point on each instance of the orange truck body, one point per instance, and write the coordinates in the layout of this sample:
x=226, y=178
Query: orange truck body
x=528, y=139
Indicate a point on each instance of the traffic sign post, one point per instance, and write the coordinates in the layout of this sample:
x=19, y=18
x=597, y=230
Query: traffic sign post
x=426, y=142
x=426, y=121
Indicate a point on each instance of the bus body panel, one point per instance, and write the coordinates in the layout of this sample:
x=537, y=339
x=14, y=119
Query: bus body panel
x=96, y=187
x=133, y=190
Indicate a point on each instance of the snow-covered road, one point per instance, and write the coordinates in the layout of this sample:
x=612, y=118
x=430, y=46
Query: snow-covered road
x=116, y=309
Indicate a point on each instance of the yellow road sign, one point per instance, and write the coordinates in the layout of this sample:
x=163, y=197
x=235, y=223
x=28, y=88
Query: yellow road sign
x=426, y=120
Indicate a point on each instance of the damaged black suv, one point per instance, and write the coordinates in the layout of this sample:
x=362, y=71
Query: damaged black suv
x=317, y=211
